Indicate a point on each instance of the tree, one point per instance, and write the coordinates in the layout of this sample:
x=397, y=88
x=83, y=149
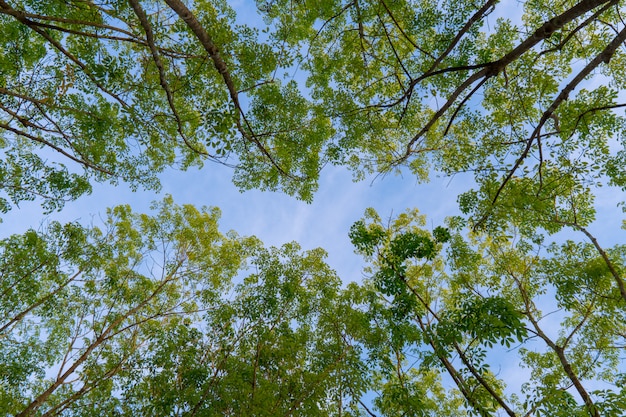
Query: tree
x=164, y=315
x=531, y=106
x=124, y=89
x=451, y=313
x=127, y=88
x=414, y=82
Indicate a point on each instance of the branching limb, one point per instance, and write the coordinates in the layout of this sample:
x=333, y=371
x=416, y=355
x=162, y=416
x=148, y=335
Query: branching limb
x=404, y=34
x=602, y=57
x=466, y=361
x=41, y=140
x=218, y=62
x=619, y=280
x=39, y=302
x=494, y=68
x=145, y=24
x=559, y=350
x=41, y=399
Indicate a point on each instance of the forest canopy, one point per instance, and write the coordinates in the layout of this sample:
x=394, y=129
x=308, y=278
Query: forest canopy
x=164, y=314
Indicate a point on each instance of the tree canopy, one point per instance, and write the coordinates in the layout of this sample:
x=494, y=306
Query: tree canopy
x=164, y=314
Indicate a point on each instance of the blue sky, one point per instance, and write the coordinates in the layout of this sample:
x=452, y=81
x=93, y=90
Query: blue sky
x=275, y=218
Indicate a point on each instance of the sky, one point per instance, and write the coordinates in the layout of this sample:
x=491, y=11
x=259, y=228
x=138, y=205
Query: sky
x=276, y=218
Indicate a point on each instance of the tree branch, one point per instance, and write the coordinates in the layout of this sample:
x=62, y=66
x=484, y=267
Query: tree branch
x=494, y=68
x=143, y=19
x=207, y=42
x=40, y=399
x=602, y=57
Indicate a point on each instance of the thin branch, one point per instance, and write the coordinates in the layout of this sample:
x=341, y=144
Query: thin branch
x=466, y=361
x=560, y=352
x=605, y=257
x=407, y=37
x=42, y=398
x=20, y=14
x=143, y=19
x=494, y=68
x=38, y=139
x=367, y=410
x=130, y=37
x=602, y=57
x=57, y=45
x=480, y=13
x=42, y=300
x=207, y=43
x=593, y=110
x=393, y=48
x=585, y=23
x=461, y=104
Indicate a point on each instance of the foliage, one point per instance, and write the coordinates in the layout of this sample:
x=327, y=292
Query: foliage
x=162, y=314
x=126, y=88
x=122, y=90
x=454, y=311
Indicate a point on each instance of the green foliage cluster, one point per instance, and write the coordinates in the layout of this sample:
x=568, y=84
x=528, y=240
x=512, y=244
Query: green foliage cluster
x=163, y=314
